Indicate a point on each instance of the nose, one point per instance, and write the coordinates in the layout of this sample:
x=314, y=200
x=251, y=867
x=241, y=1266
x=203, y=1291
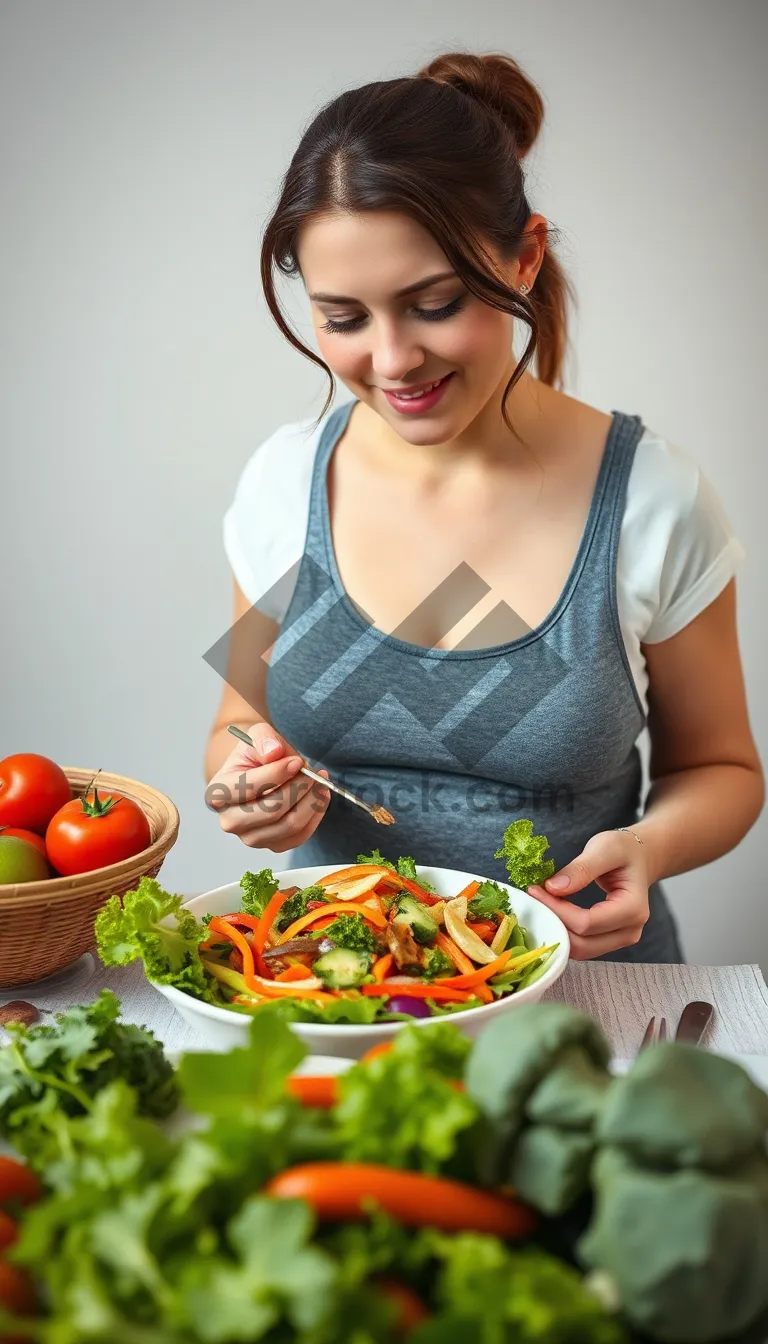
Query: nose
x=394, y=352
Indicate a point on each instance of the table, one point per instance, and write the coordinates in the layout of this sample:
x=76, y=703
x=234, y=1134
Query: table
x=622, y=997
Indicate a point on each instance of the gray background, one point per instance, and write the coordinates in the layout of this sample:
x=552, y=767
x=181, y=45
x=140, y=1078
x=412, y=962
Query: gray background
x=142, y=145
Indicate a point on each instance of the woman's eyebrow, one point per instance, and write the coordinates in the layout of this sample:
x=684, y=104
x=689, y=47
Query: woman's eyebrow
x=409, y=289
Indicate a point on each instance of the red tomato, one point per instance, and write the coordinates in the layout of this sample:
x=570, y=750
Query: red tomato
x=16, y=1294
x=93, y=832
x=29, y=836
x=32, y=788
x=17, y=1183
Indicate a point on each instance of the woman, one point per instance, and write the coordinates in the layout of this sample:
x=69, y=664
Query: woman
x=484, y=589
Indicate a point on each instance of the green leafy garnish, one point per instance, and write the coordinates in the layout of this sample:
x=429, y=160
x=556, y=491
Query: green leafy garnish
x=134, y=928
x=48, y=1072
x=490, y=899
x=524, y=852
x=351, y=931
x=405, y=866
x=258, y=890
x=296, y=906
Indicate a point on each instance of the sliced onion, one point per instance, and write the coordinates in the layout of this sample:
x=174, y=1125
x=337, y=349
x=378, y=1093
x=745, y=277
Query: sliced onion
x=463, y=937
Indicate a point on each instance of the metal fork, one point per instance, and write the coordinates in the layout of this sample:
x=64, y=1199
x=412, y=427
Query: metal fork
x=655, y=1032
x=375, y=810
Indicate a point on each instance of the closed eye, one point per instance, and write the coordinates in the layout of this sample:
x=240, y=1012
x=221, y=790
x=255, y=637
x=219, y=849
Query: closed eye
x=423, y=314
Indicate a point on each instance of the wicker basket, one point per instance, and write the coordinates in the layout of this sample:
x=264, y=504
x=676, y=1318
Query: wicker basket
x=45, y=926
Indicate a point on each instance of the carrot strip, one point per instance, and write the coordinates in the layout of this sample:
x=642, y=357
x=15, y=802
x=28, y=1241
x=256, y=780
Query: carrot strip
x=293, y=973
x=240, y=917
x=479, y=976
x=374, y=1052
x=460, y=959
x=381, y=968
x=218, y=925
x=336, y=907
x=419, y=892
x=314, y=1091
x=418, y=990
x=484, y=929
x=469, y=891
x=268, y=918
x=345, y=1191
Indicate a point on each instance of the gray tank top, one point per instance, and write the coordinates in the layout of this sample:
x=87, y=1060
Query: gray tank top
x=458, y=743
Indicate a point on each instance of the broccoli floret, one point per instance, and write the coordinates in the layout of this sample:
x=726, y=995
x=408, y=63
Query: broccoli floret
x=491, y=899
x=352, y=932
x=296, y=906
x=436, y=963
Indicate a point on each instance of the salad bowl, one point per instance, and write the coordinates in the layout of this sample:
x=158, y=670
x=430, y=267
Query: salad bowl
x=219, y=1028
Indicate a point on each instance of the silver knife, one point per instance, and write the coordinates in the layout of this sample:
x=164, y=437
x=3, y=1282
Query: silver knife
x=693, y=1022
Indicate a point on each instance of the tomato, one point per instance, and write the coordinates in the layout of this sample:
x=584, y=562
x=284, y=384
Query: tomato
x=408, y=1305
x=18, y=1184
x=32, y=788
x=93, y=832
x=30, y=837
x=9, y=1231
x=343, y=1191
x=16, y=1293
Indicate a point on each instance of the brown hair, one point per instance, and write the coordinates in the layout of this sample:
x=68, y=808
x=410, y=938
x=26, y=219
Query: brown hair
x=444, y=147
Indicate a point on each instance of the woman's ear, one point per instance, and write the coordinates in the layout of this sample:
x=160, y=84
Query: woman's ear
x=532, y=249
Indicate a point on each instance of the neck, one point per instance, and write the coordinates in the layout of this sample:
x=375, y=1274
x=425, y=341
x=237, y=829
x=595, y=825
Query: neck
x=486, y=442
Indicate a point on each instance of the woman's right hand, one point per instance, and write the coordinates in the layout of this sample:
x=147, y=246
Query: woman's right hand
x=261, y=797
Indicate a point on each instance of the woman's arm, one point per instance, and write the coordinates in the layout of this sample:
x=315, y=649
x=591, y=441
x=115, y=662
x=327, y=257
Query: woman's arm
x=707, y=785
x=707, y=782
x=244, y=692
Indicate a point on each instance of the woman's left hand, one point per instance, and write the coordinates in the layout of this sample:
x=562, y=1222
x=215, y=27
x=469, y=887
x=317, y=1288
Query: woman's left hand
x=616, y=862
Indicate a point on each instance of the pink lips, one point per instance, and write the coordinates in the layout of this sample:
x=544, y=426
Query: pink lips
x=417, y=405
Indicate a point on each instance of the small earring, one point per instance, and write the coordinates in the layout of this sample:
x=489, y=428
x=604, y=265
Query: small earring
x=524, y=289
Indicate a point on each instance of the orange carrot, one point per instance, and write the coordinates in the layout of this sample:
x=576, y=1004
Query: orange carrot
x=469, y=891
x=337, y=907
x=314, y=1091
x=381, y=968
x=344, y=1191
x=479, y=976
x=293, y=973
x=234, y=935
x=376, y=1050
x=418, y=989
x=460, y=959
x=484, y=929
x=268, y=918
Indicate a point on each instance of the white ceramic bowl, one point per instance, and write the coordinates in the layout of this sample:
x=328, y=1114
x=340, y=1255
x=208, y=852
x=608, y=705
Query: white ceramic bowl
x=220, y=1028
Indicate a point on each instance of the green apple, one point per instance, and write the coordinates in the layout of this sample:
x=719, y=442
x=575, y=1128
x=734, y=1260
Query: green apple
x=20, y=862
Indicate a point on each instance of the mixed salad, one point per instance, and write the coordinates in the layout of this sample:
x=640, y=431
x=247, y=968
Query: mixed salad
x=369, y=942
x=270, y=1206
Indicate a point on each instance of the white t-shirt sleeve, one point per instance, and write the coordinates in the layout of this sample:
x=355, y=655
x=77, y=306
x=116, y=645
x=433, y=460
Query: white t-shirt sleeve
x=265, y=525
x=701, y=558
x=677, y=549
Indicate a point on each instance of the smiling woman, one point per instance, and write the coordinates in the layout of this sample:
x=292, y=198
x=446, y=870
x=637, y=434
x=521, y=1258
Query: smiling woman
x=464, y=592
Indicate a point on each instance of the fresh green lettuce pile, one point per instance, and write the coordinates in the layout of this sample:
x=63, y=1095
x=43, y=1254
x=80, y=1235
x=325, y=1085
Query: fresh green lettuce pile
x=152, y=1233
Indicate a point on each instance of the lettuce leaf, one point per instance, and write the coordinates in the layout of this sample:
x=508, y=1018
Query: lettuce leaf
x=490, y=899
x=134, y=928
x=401, y=1108
x=524, y=853
x=258, y=890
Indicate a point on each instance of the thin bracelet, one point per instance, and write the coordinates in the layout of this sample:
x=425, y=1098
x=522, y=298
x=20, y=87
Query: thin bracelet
x=629, y=832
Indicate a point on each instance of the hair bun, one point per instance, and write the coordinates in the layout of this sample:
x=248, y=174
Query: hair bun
x=498, y=82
